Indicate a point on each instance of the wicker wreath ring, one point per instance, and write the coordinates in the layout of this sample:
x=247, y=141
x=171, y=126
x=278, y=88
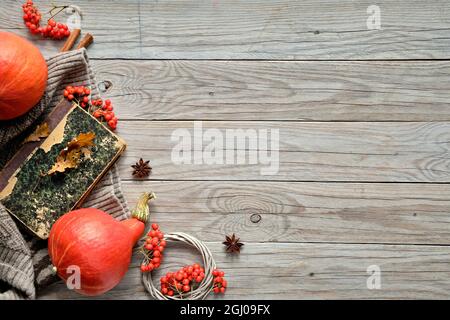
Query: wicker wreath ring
x=205, y=287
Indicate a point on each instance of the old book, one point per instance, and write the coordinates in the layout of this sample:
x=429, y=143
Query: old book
x=37, y=198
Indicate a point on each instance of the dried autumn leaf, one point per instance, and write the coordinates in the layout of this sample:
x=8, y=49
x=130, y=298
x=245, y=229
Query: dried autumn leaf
x=42, y=131
x=70, y=156
x=83, y=140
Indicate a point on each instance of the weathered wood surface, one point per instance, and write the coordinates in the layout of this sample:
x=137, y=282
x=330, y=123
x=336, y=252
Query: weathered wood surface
x=305, y=271
x=364, y=145
x=270, y=90
x=309, y=151
x=257, y=29
x=301, y=212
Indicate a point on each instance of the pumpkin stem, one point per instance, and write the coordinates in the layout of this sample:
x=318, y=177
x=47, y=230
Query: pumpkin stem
x=142, y=212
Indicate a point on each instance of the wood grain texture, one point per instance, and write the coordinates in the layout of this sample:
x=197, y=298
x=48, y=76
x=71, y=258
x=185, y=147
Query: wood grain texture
x=364, y=145
x=257, y=90
x=300, y=212
x=256, y=29
x=309, y=151
x=304, y=271
x=114, y=24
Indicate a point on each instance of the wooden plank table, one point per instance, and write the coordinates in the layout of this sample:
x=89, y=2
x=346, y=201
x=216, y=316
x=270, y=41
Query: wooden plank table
x=364, y=124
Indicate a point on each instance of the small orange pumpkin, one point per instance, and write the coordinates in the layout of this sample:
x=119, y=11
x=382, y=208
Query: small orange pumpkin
x=97, y=245
x=23, y=75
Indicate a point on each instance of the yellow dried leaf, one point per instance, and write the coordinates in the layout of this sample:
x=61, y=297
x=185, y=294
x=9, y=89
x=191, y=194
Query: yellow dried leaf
x=63, y=163
x=70, y=156
x=81, y=141
x=42, y=131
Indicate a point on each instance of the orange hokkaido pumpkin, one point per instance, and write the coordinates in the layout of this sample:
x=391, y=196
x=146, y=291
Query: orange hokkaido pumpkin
x=93, y=243
x=23, y=75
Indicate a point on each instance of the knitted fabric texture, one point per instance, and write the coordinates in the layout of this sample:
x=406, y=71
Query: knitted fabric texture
x=25, y=266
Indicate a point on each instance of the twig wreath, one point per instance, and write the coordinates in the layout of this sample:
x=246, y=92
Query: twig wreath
x=206, y=285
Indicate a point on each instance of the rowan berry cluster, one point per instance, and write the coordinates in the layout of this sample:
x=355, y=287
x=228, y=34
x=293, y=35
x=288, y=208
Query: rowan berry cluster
x=189, y=278
x=32, y=18
x=105, y=112
x=153, y=249
x=220, y=284
x=182, y=281
x=102, y=110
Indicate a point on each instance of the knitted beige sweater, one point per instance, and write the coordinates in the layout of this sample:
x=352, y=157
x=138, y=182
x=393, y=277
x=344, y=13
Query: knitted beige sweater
x=24, y=263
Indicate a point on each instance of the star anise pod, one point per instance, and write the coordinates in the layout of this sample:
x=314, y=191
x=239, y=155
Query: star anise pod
x=232, y=243
x=141, y=169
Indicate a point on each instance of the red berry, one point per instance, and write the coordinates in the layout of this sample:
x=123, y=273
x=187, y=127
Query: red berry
x=162, y=243
x=154, y=225
x=222, y=290
x=112, y=124
x=70, y=97
x=156, y=260
x=156, y=253
x=216, y=290
x=97, y=114
x=165, y=291
x=170, y=293
x=186, y=288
